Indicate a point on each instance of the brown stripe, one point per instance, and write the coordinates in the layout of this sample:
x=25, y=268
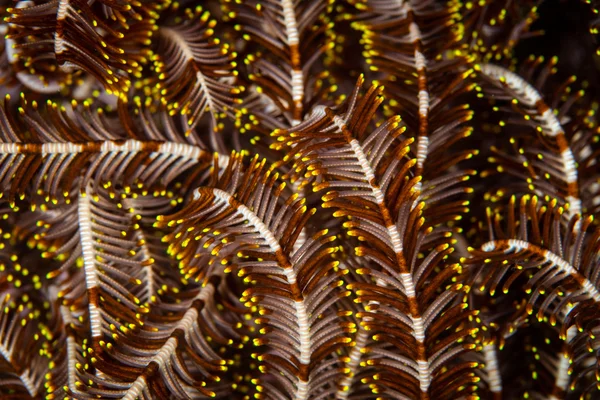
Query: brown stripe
x=541, y=106
x=93, y=295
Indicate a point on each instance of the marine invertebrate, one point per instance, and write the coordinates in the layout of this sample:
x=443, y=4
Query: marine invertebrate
x=296, y=200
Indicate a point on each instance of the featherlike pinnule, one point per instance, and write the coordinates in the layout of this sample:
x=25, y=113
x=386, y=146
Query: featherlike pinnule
x=426, y=81
x=291, y=37
x=368, y=180
x=72, y=35
x=560, y=268
x=196, y=70
x=45, y=160
x=403, y=50
x=562, y=164
x=247, y=222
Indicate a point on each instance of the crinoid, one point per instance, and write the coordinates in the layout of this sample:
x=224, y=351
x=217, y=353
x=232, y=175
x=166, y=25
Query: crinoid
x=299, y=199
